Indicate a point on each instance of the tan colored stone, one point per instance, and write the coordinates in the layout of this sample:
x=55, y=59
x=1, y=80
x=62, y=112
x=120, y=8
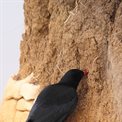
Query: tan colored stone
x=29, y=91
x=8, y=110
x=21, y=116
x=23, y=105
x=13, y=87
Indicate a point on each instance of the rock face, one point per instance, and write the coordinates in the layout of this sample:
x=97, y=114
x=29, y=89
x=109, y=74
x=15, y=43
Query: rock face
x=64, y=34
x=18, y=99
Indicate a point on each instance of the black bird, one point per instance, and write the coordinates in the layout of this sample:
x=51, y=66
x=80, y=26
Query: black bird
x=56, y=102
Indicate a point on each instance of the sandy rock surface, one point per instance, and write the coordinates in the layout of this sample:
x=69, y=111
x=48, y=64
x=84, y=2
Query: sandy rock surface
x=24, y=105
x=18, y=99
x=64, y=34
x=29, y=91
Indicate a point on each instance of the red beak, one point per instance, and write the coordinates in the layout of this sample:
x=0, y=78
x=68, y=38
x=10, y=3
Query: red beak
x=85, y=72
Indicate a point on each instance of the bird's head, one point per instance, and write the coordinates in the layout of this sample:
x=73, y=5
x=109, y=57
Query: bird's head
x=73, y=77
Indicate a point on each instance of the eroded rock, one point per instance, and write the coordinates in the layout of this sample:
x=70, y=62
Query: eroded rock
x=68, y=34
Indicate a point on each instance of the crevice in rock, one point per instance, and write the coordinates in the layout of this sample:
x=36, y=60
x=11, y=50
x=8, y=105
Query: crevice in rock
x=78, y=57
x=114, y=10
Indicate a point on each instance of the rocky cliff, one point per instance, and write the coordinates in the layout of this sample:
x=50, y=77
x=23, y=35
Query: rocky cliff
x=64, y=34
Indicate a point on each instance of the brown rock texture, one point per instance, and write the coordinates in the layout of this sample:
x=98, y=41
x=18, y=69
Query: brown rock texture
x=64, y=34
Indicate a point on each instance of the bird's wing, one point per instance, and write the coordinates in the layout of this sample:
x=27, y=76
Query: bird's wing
x=56, y=112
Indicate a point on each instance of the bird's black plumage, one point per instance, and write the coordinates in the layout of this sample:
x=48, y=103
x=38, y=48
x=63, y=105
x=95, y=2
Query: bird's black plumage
x=57, y=101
